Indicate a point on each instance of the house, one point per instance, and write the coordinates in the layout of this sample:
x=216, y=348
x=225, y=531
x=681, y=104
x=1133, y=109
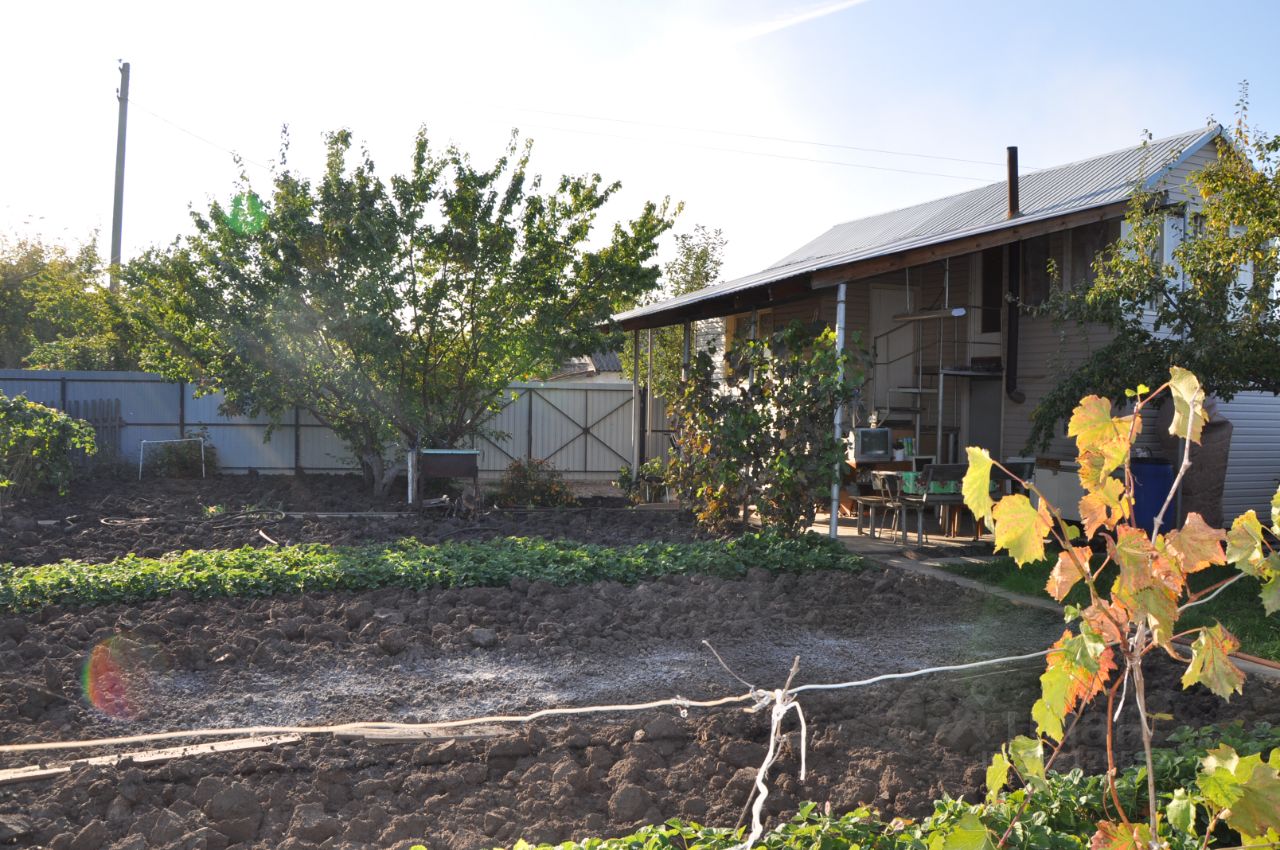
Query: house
x=930, y=290
x=597, y=367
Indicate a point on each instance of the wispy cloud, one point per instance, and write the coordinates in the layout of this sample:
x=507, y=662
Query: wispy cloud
x=759, y=30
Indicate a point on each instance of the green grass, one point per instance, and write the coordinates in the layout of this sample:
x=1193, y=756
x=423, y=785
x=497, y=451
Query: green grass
x=1238, y=607
x=406, y=563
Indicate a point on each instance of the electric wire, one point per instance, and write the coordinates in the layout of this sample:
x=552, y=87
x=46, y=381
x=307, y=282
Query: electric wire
x=763, y=137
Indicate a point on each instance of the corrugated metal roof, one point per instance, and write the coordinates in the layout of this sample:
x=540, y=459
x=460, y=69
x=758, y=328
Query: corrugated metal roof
x=1050, y=192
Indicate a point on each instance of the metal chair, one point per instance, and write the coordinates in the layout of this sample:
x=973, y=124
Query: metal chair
x=900, y=503
x=870, y=502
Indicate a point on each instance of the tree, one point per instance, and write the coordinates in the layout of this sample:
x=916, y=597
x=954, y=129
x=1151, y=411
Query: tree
x=55, y=313
x=396, y=313
x=1215, y=310
x=699, y=255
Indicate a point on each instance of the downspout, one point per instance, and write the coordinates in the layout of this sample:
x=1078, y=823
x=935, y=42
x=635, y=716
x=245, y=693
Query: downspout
x=834, y=530
x=1014, y=279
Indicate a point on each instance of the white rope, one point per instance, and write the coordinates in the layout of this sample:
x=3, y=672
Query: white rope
x=373, y=727
x=1225, y=585
x=782, y=705
x=913, y=674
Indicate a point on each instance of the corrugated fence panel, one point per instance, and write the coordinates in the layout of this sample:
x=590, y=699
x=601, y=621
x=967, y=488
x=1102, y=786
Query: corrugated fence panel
x=583, y=428
x=609, y=413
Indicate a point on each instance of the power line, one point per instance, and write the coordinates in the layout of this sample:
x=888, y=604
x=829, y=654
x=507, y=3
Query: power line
x=239, y=157
x=761, y=137
x=722, y=149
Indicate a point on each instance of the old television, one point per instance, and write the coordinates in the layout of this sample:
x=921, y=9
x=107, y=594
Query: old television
x=872, y=444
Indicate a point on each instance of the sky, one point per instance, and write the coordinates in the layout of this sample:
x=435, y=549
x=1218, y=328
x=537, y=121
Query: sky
x=771, y=121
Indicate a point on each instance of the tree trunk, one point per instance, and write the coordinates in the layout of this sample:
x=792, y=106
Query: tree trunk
x=378, y=473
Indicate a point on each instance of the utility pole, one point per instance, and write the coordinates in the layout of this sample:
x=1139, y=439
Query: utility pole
x=117, y=211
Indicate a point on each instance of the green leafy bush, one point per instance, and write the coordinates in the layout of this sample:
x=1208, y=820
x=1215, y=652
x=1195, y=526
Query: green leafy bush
x=764, y=435
x=36, y=445
x=407, y=563
x=637, y=486
x=533, y=483
x=185, y=459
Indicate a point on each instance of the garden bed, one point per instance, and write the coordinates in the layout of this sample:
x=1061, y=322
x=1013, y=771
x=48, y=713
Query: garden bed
x=102, y=520
x=417, y=655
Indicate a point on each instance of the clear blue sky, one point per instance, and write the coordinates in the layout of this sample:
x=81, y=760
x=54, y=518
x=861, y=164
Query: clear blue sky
x=959, y=79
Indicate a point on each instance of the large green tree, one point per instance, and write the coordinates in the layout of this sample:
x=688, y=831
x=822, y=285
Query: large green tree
x=397, y=312
x=696, y=265
x=1214, y=310
x=55, y=312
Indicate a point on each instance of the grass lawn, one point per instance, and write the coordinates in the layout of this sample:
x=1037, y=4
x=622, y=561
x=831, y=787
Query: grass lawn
x=1238, y=607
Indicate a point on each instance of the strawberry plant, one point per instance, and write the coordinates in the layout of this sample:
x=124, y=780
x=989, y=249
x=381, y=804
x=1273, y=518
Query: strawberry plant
x=1137, y=614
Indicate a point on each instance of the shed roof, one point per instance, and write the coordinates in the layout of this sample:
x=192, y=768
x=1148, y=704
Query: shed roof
x=1044, y=194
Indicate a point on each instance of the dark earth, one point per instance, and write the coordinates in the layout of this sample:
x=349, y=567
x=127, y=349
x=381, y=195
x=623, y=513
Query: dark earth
x=447, y=654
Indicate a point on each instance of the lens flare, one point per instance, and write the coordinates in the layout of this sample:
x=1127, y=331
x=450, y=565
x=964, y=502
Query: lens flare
x=115, y=676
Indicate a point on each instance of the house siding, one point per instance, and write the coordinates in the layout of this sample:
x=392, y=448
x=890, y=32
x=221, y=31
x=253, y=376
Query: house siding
x=1253, y=470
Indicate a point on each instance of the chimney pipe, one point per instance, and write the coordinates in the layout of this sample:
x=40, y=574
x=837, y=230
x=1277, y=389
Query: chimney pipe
x=1014, y=209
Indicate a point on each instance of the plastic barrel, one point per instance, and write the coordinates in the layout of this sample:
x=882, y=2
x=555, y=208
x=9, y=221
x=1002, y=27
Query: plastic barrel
x=1152, y=480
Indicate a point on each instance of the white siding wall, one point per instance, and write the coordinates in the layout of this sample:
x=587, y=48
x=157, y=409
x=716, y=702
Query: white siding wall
x=1253, y=471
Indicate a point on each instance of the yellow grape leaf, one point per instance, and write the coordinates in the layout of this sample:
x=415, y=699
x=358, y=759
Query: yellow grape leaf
x=1076, y=670
x=1091, y=423
x=1244, y=543
x=1198, y=544
x=1133, y=553
x=1271, y=595
x=976, y=486
x=1160, y=605
x=1188, y=405
x=1117, y=836
x=1108, y=619
x=1067, y=571
x=1105, y=506
x=1020, y=528
x=1275, y=513
x=1211, y=664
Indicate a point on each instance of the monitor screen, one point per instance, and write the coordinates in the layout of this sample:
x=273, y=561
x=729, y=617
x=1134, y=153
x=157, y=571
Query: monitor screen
x=872, y=444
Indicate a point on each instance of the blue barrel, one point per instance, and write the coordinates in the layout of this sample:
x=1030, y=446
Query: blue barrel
x=1152, y=480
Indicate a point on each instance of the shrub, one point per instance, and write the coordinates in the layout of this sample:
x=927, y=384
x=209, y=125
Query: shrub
x=533, y=483
x=185, y=459
x=36, y=445
x=636, y=487
x=764, y=436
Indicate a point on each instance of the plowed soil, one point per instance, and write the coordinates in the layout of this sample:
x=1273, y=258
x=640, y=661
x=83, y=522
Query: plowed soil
x=100, y=521
x=445, y=654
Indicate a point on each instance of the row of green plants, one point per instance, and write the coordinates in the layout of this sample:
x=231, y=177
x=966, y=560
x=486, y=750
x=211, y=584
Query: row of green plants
x=406, y=563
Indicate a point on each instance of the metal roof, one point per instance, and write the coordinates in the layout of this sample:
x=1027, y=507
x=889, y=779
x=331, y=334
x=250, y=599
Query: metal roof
x=1050, y=192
